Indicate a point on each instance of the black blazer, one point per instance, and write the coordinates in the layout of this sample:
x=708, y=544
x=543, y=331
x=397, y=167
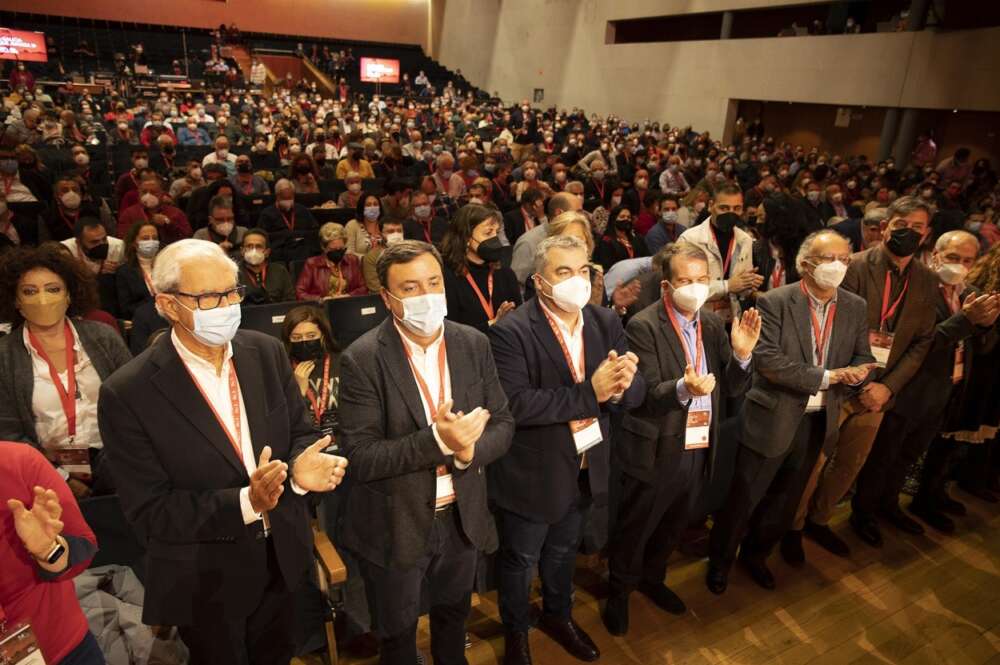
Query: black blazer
x=513, y=224
x=463, y=303
x=538, y=477
x=179, y=479
x=413, y=230
x=393, y=453
x=132, y=289
x=609, y=251
x=652, y=436
x=286, y=244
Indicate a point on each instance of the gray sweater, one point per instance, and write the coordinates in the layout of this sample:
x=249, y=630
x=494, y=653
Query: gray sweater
x=107, y=352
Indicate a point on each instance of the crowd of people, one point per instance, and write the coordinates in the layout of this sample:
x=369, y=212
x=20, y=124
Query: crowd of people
x=592, y=322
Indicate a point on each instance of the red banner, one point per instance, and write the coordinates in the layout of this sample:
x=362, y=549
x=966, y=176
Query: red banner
x=378, y=70
x=22, y=45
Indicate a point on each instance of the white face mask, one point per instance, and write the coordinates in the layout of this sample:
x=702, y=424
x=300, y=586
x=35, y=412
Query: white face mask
x=140, y=163
x=147, y=249
x=253, y=257
x=423, y=315
x=214, y=327
x=689, y=297
x=354, y=187
x=393, y=238
x=222, y=153
x=952, y=273
x=149, y=200
x=570, y=295
x=829, y=275
x=223, y=229
x=669, y=216
x=70, y=200
x=286, y=204
x=422, y=212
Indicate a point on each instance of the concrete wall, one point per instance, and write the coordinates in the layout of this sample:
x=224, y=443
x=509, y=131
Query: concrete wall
x=401, y=21
x=514, y=46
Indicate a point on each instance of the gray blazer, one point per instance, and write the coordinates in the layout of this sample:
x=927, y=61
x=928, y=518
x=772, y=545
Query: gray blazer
x=785, y=375
x=104, y=346
x=392, y=451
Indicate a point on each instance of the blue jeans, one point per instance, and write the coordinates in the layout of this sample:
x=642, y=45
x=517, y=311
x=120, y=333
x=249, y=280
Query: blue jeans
x=524, y=544
x=87, y=652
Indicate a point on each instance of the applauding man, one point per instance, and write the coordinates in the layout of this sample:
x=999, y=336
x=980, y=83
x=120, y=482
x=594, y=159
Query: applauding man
x=422, y=414
x=211, y=451
x=668, y=445
x=565, y=365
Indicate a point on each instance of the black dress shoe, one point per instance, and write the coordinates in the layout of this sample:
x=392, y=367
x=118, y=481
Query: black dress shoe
x=516, y=649
x=616, y=614
x=824, y=536
x=571, y=637
x=663, y=597
x=896, y=517
x=791, y=549
x=946, y=504
x=867, y=529
x=935, y=518
x=759, y=572
x=717, y=579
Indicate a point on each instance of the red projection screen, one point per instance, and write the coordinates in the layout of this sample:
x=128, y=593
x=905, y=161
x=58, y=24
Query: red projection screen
x=22, y=45
x=379, y=70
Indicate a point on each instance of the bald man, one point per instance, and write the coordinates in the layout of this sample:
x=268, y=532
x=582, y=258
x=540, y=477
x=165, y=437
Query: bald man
x=963, y=330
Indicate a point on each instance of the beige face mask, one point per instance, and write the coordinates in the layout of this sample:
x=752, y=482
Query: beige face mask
x=44, y=309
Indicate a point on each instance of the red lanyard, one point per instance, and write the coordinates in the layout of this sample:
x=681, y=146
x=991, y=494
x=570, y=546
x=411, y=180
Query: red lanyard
x=888, y=311
x=263, y=276
x=627, y=245
x=134, y=181
x=248, y=187
x=951, y=298
x=432, y=406
x=67, y=393
x=289, y=224
x=487, y=303
x=823, y=337
x=729, y=254
x=565, y=349
x=694, y=359
x=427, y=231
x=8, y=184
x=599, y=186
x=319, y=406
x=778, y=274
x=234, y=398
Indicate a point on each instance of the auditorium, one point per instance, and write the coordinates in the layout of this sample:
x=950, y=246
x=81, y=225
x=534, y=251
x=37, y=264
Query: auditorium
x=499, y=332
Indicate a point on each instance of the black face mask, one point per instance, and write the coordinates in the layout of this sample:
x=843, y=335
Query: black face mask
x=490, y=250
x=335, y=255
x=903, y=242
x=97, y=252
x=623, y=224
x=310, y=349
x=726, y=221
x=244, y=167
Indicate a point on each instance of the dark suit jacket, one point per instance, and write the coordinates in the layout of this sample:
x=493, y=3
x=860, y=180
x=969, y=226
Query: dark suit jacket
x=609, y=251
x=393, y=452
x=652, y=436
x=851, y=229
x=277, y=287
x=915, y=321
x=132, y=289
x=538, y=477
x=179, y=479
x=513, y=224
x=785, y=375
x=290, y=244
x=413, y=230
x=649, y=293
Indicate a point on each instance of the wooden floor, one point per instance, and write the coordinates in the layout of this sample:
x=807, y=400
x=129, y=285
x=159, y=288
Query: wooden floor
x=928, y=600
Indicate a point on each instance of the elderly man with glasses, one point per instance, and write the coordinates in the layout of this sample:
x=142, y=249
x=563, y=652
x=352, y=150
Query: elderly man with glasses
x=212, y=452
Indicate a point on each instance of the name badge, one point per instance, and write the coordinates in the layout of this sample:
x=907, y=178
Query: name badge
x=75, y=460
x=445, y=493
x=881, y=343
x=958, y=370
x=697, y=431
x=817, y=401
x=18, y=646
x=586, y=434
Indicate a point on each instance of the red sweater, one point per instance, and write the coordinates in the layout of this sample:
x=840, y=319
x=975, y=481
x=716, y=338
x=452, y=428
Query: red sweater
x=178, y=229
x=50, y=606
x=314, y=280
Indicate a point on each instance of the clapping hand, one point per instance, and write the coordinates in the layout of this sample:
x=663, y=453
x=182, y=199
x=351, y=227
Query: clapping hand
x=698, y=385
x=874, y=396
x=460, y=431
x=316, y=471
x=505, y=308
x=267, y=483
x=851, y=376
x=625, y=295
x=745, y=334
x=38, y=527
x=982, y=310
x=614, y=375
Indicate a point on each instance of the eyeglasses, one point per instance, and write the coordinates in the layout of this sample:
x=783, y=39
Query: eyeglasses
x=213, y=300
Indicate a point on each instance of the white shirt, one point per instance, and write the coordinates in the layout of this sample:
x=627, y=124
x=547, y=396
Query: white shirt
x=216, y=389
x=425, y=361
x=116, y=253
x=50, y=420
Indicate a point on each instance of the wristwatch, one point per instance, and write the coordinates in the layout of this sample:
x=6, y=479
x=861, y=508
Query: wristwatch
x=54, y=553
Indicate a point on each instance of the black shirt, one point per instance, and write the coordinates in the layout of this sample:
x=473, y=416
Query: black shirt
x=463, y=303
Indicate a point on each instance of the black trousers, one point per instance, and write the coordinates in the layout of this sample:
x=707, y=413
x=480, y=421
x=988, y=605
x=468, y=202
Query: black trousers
x=650, y=521
x=941, y=456
x=898, y=445
x=262, y=637
x=449, y=568
x=765, y=494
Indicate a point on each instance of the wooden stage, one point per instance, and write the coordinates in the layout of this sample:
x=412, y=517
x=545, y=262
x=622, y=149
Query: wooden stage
x=926, y=600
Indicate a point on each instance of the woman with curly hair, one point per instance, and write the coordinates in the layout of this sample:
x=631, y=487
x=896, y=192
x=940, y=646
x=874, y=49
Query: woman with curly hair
x=53, y=362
